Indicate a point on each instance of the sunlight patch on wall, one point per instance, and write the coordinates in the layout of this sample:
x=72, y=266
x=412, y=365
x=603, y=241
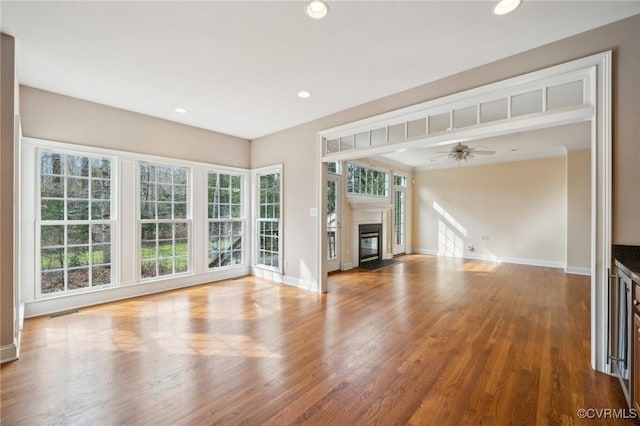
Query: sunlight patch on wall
x=450, y=233
x=454, y=223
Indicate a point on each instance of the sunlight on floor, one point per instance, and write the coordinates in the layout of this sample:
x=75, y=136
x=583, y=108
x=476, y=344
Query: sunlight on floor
x=212, y=344
x=479, y=266
x=116, y=340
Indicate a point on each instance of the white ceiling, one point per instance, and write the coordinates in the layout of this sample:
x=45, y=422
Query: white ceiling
x=549, y=142
x=236, y=66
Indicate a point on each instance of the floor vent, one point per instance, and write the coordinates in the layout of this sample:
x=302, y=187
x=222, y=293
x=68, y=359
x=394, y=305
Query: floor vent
x=61, y=314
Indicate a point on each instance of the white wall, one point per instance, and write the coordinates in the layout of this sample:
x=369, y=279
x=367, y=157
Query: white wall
x=511, y=211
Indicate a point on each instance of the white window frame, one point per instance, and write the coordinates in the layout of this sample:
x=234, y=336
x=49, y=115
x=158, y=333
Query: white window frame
x=256, y=173
x=388, y=180
x=246, y=241
x=125, y=240
x=112, y=221
x=140, y=221
x=403, y=189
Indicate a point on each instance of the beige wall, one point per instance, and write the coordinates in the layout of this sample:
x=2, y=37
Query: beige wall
x=8, y=326
x=510, y=211
x=296, y=147
x=51, y=116
x=579, y=210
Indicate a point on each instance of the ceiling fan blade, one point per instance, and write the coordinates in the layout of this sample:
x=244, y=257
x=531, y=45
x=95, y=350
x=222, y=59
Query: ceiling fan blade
x=484, y=152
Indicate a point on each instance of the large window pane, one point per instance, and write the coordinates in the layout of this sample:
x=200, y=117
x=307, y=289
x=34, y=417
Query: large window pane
x=225, y=215
x=74, y=255
x=268, y=222
x=164, y=221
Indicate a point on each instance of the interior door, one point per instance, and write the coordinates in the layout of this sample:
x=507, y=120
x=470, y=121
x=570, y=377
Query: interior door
x=333, y=223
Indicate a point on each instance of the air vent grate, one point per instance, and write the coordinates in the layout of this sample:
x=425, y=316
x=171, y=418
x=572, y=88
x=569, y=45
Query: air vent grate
x=61, y=314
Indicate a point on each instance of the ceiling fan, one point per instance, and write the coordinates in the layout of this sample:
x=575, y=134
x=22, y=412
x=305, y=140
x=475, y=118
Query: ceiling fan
x=463, y=152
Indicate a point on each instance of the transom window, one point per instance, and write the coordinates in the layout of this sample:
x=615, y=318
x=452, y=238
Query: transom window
x=334, y=167
x=225, y=214
x=367, y=181
x=164, y=222
x=399, y=180
x=75, y=222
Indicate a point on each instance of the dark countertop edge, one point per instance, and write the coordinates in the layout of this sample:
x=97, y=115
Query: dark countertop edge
x=628, y=260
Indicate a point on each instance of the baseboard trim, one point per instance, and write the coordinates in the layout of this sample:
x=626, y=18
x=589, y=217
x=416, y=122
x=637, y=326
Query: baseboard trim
x=425, y=251
x=516, y=260
x=299, y=283
x=347, y=266
x=8, y=353
x=577, y=271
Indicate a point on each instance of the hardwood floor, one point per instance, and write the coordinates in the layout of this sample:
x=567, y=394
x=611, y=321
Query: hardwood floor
x=427, y=341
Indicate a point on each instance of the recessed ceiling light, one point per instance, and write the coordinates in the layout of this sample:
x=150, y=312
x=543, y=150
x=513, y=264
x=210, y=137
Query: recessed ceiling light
x=506, y=6
x=304, y=94
x=180, y=110
x=316, y=9
x=401, y=150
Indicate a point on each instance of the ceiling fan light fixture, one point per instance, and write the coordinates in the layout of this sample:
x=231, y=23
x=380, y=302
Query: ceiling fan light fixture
x=506, y=6
x=316, y=9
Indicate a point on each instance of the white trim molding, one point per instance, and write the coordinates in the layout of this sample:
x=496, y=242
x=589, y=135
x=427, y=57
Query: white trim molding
x=495, y=259
x=9, y=353
x=577, y=271
x=594, y=72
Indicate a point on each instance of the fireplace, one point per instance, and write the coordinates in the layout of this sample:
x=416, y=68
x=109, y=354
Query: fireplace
x=370, y=246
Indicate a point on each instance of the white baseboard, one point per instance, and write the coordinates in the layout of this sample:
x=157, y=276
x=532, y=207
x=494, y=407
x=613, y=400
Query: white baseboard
x=299, y=283
x=578, y=271
x=346, y=266
x=487, y=258
x=425, y=251
x=51, y=305
x=266, y=274
x=8, y=353
x=387, y=255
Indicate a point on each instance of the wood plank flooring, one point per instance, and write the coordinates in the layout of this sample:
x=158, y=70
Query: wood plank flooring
x=428, y=341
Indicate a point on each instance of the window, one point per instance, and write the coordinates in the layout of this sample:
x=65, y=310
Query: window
x=399, y=206
x=225, y=215
x=334, y=168
x=164, y=222
x=399, y=180
x=268, y=220
x=367, y=181
x=75, y=222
